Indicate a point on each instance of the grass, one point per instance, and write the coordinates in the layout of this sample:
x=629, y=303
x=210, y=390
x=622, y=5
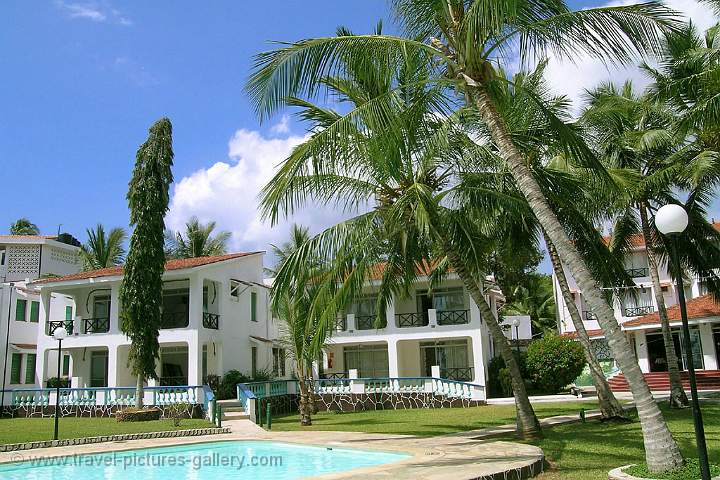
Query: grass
x=18, y=430
x=428, y=422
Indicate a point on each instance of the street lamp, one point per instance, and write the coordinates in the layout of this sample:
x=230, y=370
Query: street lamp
x=59, y=334
x=516, y=324
x=672, y=220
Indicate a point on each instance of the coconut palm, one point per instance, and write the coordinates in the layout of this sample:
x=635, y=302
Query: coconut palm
x=535, y=299
x=23, y=226
x=299, y=332
x=196, y=241
x=465, y=41
x=101, y=250
x=421, y=219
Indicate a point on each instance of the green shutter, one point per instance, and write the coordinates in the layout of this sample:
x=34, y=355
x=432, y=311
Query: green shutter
x=30, y=368
x=66, y=365
x=15, y=368
x=20, y=309
x=68, y=313
x=35, y=312
x=253, y=306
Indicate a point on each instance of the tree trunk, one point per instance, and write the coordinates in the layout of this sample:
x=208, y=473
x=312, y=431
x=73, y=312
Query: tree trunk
x=139, y=392
x=678, y=399
x=304, y=406
x=661, y=450
x=610, y=408
x=528, y=425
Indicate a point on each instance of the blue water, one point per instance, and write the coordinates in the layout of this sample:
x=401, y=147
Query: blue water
x=200, y=461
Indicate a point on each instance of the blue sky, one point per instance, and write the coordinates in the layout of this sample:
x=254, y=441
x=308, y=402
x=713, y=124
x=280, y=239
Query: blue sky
x=83, y=80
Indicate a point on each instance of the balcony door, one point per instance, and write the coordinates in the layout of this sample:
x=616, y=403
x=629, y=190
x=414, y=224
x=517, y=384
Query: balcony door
x=656, y=351
x=451, y=356
x=98, y=369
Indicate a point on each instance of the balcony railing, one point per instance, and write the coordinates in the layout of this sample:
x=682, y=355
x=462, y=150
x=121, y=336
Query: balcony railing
x=452, y=317
x=460, y=374
x=55, y=324
x=637, y=311
x=589, y=315
x=341, y=324
x=415, y=319
x=638, y=272
x=367, y=322
x=211, y=320
x=96, y=325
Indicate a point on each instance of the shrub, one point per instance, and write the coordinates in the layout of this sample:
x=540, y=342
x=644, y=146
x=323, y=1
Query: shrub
x=228, y=383
x=138, y=414
x=53, y=382
x=554, y=362
x=178, y=411
x=498, y=381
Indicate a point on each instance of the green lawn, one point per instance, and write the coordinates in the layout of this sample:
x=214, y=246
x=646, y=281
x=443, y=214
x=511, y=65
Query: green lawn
x=428, y=422
x=17, y=430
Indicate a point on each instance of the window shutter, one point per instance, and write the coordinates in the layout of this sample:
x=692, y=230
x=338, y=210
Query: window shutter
x=20, y=309
x=35, y=312
x=30, y=368
x=253, y=306
x=66, y=365
x=15, y=368
x=68, y=313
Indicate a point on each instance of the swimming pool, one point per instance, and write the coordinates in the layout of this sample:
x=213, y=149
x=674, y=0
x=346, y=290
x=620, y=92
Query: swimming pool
x=199, y=461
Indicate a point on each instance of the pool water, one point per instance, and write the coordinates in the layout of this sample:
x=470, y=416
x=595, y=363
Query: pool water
x=200, y=461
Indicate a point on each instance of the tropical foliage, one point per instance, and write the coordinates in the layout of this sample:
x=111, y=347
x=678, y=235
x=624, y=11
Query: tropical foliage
x=197, y=240
x=554, y=362
x=103, y=250
x=23, y=226
x=141, y=290
x=535, y=297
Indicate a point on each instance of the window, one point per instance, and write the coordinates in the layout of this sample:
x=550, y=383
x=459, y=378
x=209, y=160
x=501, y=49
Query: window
x=30, y=368
x=2, y=257
x=98, y=369
x=279, y=362
x=15, y=368
x=35, y=312
x=68, y=313
x=235, y=290
x=20, y=310
x=204, y=362
x=369, y=360
x=253, y=362
x=66, y=365
x=253, y=306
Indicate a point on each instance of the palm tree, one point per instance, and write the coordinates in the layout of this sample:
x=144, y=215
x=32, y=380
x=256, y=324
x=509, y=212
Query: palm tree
x=23, y=226
x=534, y=298
x=292, y=302
x=101, y=251
x=422, y=219
x=464, y=42
x=196, y=241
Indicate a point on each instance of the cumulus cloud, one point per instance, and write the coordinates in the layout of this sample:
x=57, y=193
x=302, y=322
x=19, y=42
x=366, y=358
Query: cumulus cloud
x=573, y=78
x=228, y=190
x=93, y=11
x=283, y=126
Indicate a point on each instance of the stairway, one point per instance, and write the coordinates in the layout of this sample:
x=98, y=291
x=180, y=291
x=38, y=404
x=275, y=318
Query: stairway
x=232, y=410
x=660, y=381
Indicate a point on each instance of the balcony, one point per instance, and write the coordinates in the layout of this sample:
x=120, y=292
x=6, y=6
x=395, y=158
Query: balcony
x=96, y=325
x=453, y=317
x=415, y=319
x=637, y=311
x=211, y=320
x=589, y=316
x=638, y=272
x=55, y=324
x=176, y=319
x=460, y=374
x=367, y=322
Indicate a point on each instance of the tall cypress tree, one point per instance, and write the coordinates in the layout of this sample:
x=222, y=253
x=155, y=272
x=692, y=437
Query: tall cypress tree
x=141, y=290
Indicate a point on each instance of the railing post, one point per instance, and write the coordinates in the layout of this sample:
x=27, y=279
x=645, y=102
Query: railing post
x=350, y=325
x=432, y=318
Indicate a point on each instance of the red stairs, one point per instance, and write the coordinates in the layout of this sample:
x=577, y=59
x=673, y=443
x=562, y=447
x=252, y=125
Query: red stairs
x=660, y=381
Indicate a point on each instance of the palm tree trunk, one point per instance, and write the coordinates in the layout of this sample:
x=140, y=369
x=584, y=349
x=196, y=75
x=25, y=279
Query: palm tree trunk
x=661, y=450
x=139, y=392
x=304, y=406
x=610, y=408
x=528, y=425
x=678, y=399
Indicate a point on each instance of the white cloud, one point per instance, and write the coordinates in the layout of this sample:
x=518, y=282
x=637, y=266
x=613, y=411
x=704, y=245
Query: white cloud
x=227, y=192
x=572, y=79
x=134, y=72
x=283, y=126
x=93, y=11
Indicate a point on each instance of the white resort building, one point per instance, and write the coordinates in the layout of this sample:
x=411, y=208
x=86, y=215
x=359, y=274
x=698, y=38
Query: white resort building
x=215, y=318
x=638, y=317
x=24, y=258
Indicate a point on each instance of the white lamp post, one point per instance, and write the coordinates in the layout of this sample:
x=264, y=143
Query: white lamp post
x=59, y=334
x=516, y=324
x=672, y=220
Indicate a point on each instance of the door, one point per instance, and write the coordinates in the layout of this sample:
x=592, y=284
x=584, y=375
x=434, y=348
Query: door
x=98, y=369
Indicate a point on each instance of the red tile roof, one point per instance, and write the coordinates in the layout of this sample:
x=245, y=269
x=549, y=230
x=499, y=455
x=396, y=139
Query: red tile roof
x=591, y=334
x=176, y=264
x=28, y=237
x=639, y=241
x=378, y=270
x=700, y=307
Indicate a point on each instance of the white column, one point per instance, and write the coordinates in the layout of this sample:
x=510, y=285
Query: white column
x=432, y=318
x=41, y=366
x=196, y=301
x=478, y=358
x=475, y=318
x=115, y=308
x=708, y=346
x=112, y=365
x=390, y=317
x=194, y=360
x=642, y=351
x=393, y=365
x=350, y=322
